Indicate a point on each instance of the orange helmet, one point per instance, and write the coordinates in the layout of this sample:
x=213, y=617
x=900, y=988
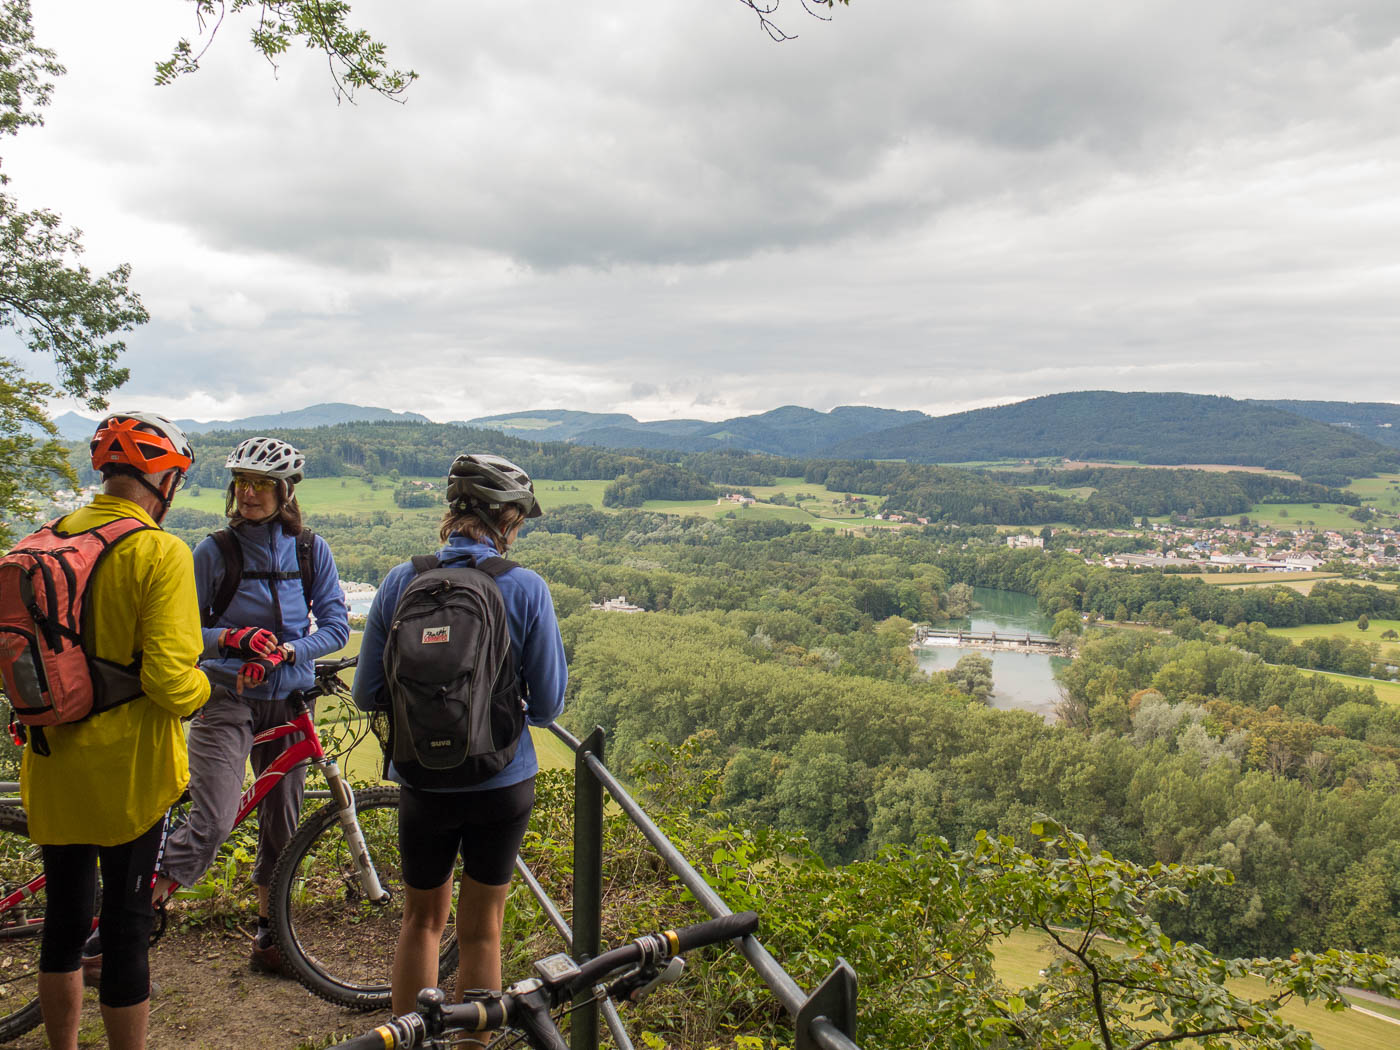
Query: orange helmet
x=142, y=441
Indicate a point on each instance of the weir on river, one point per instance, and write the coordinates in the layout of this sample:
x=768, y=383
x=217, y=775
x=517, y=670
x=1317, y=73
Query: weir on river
x=1022, y=640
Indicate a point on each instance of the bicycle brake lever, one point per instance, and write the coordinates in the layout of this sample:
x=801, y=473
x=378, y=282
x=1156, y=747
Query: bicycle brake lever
x=669, y=973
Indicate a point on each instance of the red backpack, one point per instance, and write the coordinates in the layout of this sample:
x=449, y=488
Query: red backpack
x=44, y=585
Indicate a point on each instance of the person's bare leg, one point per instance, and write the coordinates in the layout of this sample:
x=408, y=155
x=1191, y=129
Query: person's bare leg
x=61, y=999
x=425, y=915
x=262, y=900
x=126, y=1025
x=481, y=911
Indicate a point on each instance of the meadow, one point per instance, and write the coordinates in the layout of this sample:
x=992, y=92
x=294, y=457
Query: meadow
x=1023, y=954
x=1302, y=582
x=1347, y=631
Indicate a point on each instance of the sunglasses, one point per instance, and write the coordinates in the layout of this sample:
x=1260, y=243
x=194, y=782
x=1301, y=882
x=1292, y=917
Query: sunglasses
x=253, y=483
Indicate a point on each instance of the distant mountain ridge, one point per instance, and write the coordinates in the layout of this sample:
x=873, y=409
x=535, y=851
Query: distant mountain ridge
x=75, y=427
x=1160, y=429
x=787, y=431
x=1324, y=441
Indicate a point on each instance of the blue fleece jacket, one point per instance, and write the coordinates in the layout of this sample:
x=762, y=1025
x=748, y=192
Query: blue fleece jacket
x=278, y=605
x=534, y=638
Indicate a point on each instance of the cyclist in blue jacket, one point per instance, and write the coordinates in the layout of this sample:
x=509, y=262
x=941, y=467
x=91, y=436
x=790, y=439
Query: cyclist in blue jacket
x=489, y=499
x=257, y=650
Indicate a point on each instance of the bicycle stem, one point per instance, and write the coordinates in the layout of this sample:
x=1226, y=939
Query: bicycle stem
x=344, y=798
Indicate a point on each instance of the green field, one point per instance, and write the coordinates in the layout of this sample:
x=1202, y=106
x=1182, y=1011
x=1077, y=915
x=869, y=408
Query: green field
x=1302, y=582
x=561, y=493
x=321, y=495
x=1382, y=492
x=1386, y=692
x=1348, y=632
x=1303, y=515
x=1022, y=955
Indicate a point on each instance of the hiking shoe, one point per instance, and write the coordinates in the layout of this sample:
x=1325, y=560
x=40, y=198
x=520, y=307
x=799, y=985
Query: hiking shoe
x=92, y=961
x=266, y=958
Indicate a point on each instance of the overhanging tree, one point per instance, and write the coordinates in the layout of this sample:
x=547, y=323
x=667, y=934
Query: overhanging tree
x=57, y=305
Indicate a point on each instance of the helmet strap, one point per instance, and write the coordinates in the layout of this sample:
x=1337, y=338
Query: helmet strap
x=165, y=500
x=501, y=545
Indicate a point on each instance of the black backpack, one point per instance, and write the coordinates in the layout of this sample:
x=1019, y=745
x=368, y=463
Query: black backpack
x=231, y=547
x=457, y=708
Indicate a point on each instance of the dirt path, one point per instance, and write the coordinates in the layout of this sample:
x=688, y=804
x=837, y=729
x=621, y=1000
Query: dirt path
x=206, y=997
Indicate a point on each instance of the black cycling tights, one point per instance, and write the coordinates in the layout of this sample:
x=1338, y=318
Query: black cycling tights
x=126, y=918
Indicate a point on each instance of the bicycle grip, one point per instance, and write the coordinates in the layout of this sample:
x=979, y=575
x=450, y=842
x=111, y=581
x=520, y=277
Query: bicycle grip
x=382, y=1038
x=714, y=931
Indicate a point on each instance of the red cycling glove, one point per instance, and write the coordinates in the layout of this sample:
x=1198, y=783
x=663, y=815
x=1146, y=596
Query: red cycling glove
x=248, y=642
x=256, y=670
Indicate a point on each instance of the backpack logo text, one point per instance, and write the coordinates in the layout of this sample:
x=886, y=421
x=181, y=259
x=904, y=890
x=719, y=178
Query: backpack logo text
x=436, y=635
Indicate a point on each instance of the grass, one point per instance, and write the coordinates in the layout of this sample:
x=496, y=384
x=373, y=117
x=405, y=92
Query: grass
x=1302, y=582
x=1386, y=692
x=1022, y=955
x=1348, y=632
x=1294, y=515
x=554, y=494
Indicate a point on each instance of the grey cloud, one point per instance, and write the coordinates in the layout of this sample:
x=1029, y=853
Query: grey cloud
x=568, y=140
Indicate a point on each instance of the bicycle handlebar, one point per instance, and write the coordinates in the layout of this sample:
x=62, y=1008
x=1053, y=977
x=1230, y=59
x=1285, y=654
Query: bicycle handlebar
x=326, y=668
x=526, y=1003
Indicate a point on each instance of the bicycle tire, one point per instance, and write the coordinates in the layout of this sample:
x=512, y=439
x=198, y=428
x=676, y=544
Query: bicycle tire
x=338, y=944
x=21, y=927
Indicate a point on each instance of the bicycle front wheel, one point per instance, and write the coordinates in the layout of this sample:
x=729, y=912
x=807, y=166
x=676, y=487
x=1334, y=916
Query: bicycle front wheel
x=339, y=944
x=21, y=925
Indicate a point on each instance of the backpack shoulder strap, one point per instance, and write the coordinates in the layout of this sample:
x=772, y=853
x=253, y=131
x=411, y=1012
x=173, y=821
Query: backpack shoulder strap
x=496, y=567
x=424, y=562
x=305, y=541
x=232, y=552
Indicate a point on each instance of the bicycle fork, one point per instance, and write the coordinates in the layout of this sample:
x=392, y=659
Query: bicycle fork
x=344, y=798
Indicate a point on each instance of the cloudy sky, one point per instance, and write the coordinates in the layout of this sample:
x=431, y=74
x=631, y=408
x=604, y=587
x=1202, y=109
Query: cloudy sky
x=653, y=208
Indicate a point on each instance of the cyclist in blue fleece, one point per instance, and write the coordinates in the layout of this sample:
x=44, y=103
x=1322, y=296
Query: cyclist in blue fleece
x=256, y=651
x=489, y=499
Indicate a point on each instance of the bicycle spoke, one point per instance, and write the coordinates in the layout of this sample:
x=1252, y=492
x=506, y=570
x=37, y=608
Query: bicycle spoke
x=21, y=927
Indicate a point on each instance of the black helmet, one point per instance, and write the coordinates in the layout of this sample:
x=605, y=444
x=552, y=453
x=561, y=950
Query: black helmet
x=482, y=481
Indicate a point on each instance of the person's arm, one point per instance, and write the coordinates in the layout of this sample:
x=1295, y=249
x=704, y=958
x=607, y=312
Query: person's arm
x=172, y=640
x=543, y=665
x=208, y=574
x=368, y=690
x=328, y=600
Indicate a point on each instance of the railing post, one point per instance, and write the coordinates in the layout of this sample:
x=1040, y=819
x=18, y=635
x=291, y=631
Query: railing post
x=588, y=884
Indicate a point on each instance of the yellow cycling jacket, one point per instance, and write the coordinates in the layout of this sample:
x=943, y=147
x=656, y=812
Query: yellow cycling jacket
x=110, y=777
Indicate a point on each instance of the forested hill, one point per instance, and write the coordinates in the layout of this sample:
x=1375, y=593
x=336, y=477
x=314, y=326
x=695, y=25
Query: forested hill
x=786, y=431
x=1147, y=428
x=1377, y=420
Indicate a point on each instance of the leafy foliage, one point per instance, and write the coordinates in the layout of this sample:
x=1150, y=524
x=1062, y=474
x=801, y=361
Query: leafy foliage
x=58, y=306
x=355, y=59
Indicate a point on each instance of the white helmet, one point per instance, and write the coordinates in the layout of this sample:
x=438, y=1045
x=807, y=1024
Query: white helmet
x=269, y=457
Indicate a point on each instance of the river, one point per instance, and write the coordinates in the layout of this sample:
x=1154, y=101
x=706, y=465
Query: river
x=1019, y=680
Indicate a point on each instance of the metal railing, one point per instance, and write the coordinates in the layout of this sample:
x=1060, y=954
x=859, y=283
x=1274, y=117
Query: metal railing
x=825, y=1019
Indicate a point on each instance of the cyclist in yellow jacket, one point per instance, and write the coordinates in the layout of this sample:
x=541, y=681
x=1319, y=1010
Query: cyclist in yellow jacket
x=103, y=789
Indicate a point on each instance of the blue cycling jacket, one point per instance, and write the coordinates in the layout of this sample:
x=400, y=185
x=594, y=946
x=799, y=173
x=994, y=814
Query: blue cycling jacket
x=278, y=605
x=534, y=638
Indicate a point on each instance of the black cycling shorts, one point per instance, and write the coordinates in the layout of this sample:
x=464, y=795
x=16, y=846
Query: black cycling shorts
x=125, y=921
x=485, y=827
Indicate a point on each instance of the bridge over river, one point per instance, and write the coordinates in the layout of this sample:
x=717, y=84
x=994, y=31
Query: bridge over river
x=1023, y=641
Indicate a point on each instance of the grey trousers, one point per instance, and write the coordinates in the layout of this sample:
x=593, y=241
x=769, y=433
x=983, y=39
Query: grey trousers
x=221, y=744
